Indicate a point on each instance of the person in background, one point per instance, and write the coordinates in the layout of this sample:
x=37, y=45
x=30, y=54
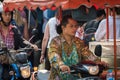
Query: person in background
x=50, y=33
x=100, y=14
x=101, y=31
x=91, y=26
x=11, y=38
x=21, y=23
x=66, y=50
x=80, y=32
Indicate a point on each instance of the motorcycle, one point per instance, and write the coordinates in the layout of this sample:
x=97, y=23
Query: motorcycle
x=20, y=67
x=89, y=70
x=17, y=60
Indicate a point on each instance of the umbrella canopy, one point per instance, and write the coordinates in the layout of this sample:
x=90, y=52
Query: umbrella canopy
x=32, y=4
x=66, y=4
x=101, y=3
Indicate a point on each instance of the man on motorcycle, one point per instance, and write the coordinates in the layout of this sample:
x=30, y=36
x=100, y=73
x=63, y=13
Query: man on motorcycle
x=67, y=50
x=10, y=37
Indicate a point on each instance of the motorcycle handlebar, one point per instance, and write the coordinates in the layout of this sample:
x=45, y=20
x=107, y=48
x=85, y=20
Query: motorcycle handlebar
x=21, y=49
x=67, y=72
x=2, y=51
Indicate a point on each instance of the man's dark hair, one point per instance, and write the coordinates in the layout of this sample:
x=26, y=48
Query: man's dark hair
x=64, y=22
x=100, y=12
x=65, y=19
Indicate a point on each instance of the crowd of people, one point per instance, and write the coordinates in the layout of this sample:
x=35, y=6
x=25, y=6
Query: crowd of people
x=63, y=43
x=101, y=31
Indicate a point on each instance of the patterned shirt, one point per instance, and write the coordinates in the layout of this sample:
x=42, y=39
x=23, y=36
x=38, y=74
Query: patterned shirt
x=9, y=38
x=55, y=51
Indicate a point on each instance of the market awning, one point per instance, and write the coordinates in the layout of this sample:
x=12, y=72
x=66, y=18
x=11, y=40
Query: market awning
x=101, y=3
x=66, y=4
x=12, y=4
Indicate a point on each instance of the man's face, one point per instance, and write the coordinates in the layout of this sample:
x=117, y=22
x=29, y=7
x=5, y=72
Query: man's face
x=71, y=27
x=6, y=16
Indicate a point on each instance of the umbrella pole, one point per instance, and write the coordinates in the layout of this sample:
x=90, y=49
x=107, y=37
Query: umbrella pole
x=114, y=33
x=107, y=25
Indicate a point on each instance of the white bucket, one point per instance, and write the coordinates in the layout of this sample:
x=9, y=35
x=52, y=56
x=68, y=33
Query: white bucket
x=43, y=74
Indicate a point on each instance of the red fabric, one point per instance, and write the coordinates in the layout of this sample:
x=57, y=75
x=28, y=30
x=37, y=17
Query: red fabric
x=66, y=4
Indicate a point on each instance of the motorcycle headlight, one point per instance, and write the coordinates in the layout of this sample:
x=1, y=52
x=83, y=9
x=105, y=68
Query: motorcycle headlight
x=93, y=70
x=25, y=71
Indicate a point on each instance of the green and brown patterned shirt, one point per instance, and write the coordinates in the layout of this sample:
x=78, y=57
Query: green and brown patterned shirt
x=56, y=48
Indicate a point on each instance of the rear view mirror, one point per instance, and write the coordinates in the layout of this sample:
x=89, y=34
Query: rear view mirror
x=34, y=31
x=98, y=50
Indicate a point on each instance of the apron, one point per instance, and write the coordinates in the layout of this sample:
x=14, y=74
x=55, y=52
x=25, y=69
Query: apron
x=72, y=59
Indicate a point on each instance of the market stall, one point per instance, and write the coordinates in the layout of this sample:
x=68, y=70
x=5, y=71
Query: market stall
x=70, y=4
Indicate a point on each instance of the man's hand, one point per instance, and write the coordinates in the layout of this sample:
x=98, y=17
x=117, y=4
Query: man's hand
x=35, y=47
x=65, y=68
x=42, y=58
